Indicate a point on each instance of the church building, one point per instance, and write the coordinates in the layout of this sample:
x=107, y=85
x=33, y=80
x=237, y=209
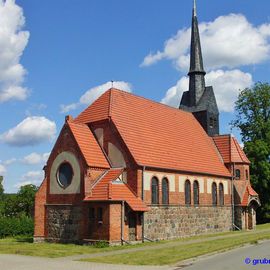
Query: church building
x=130, y=169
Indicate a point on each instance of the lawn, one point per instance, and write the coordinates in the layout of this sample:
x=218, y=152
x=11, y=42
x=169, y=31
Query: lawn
x=157, y=253
x=24, y=246
x=182, y=251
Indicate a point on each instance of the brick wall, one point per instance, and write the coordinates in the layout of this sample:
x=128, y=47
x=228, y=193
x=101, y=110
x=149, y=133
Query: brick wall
x=180, y=221
x=177, y=196
x=40, y=216
x=98, y=230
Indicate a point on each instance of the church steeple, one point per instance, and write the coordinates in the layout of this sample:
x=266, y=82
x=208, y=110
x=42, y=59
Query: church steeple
x=199, y=100
x=196, y=71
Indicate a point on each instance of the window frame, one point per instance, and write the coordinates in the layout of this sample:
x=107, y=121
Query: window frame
x=187, y=192
x=60, y=183
x=214, y=194
x=166, y=192
x=237, y=174
x=154, y=200
x=91, y=213
x=100, y=215
x=196, y=198
x=221, y=194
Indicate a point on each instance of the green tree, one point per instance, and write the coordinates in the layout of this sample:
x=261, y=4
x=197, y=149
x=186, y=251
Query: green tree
x=253, y=119
x=26, y=199
x=1, y=196
x=20, y=204
x=1, y=187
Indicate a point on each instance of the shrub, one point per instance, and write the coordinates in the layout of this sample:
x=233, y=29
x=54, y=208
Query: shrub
x=12, y=226
x=101, y=244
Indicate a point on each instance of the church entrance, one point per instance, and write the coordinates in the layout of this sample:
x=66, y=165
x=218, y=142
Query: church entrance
x=251, y=217
x=132, y=226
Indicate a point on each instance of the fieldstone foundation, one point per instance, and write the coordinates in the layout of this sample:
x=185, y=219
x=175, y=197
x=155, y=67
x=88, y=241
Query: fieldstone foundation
x=63, y=223
x=181, y=221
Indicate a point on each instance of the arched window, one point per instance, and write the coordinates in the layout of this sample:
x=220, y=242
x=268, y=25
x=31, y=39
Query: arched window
x=237, y=174
x=214, y=193
x=187, y=193
x=196, y=192
x=221, y=194
x=154, y=190
x=165, y=191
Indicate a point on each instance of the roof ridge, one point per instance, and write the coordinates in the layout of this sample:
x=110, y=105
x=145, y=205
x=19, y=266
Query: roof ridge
x=153, y=101
x=110, y=103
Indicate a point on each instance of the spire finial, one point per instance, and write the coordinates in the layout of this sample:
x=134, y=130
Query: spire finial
x=194, y=8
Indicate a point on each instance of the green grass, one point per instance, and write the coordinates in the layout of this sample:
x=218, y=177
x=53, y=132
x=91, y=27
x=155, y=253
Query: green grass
x=165, y=254
x=183, y=251
x=24, y=246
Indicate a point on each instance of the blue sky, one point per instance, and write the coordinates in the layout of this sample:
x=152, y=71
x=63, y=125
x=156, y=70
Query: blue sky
x=57, y=56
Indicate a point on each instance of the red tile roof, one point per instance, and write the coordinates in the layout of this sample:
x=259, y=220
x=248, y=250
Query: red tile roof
x=251, y=191
x=230, y=149
x=105, y=189
x=238, y=155
x=88, y=145
x=157, y=135
x=248, y=192
x=244, y=191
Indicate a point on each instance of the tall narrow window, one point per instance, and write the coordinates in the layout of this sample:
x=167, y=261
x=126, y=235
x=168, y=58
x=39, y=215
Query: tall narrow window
x=100, y=215
x=237, y=174
x=154, y=190
x=221, y=194
x=187, y=193
x=196, y=193
x=214, y=193
x=165, y=191
x=247, y=175
x=91, y=213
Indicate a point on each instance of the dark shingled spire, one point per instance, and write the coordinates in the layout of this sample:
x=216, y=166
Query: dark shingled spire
x=199, y=100
x=196, y=70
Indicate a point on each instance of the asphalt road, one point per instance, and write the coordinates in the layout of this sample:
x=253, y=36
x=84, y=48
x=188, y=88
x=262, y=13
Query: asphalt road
x=18, y=262
x=238, y=259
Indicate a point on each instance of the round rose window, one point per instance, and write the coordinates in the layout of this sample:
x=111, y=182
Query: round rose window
x=65, y=174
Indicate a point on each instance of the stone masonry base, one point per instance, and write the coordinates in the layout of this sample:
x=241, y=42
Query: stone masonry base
x=181, y=221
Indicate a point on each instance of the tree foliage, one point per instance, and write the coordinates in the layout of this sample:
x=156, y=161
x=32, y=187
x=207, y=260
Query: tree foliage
x=16, y=212
x=20, y=204
x=1, y=187
x=253, y=120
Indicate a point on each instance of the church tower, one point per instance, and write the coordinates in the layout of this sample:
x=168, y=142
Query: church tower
x=200, y=100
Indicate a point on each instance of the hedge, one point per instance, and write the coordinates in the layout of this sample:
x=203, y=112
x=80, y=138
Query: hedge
x=20, y=226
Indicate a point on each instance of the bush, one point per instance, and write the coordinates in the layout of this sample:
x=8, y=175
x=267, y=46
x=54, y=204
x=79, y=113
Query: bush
x=12, y=226
x=101, y=244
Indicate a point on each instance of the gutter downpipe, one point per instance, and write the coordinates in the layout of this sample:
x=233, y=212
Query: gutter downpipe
x=142, y=218
x=232, y=191
x=122, y=222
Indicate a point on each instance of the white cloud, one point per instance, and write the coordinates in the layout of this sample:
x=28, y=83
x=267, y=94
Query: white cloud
x=35, y=158
x=2, y=169
x=12, y=44
x=174, y=94
x=229, y=41
x=31, y=131
x=93, y=93
x=31, y=177
x=69, y=107
x=226, y=86
x=10, y=161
